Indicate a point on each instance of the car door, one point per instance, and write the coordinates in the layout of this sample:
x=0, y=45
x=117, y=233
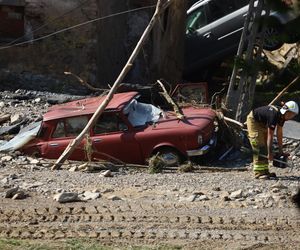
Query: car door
x=112, y=139
x=226, y=23
x=198, y=40
x=65, y=130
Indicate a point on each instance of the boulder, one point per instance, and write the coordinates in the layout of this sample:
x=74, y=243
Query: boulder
x=236, y=194
x=65, y=197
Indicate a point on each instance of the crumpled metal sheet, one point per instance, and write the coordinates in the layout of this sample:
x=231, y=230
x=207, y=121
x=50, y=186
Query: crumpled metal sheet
x=21, y=139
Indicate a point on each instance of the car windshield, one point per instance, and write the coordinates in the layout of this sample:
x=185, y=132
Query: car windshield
x=141, y=113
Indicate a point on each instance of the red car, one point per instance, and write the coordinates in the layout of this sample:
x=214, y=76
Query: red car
x=128, y=131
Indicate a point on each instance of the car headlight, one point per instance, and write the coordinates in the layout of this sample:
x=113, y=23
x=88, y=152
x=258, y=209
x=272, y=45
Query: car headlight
x=200, y=139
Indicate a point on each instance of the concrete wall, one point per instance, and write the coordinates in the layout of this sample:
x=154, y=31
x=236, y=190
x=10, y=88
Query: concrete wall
x=73, y=50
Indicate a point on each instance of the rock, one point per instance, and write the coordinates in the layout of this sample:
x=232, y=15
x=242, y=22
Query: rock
x=217, y=189
x=2, y=105
x=33, y=160
x=27, y=186
x=275, y=190
x=191, y=198
x=106, y=173
x=73, y=169
x=65, y=197
x=4, y=118
x=11, y=192
x=5, y=180
x=20, y=195
x=252, y=192
x=16, y=118
x=114, y=198
x=37, y=100
x=202, y=198
x=87, y=195
x=279, y=186
x=6, y=158
x=236, y=194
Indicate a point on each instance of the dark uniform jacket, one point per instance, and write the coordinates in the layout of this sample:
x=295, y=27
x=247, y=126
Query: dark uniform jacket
x=270, y=116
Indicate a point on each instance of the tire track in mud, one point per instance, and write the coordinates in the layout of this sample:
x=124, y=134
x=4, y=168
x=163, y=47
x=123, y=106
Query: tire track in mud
x=142, y=222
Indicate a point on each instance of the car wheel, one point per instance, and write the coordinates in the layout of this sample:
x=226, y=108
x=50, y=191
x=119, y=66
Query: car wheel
x=273, y=36
x=165, y=158
x=169, y=157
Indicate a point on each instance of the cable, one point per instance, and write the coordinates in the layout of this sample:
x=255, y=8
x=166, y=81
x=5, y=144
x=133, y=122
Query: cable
x=76, y=26
x=49, y=22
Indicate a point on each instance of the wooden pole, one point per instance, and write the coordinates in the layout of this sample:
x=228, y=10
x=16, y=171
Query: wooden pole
x=160, y=7
x=283, y=91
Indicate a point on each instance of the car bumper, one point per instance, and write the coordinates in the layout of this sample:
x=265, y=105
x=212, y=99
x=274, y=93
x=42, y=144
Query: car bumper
x=204, y=149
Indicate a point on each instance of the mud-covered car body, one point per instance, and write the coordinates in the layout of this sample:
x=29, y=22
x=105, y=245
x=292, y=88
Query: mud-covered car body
x=128, y=131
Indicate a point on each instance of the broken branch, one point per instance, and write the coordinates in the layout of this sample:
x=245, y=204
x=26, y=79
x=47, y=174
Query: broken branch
x=84, y=83
x=165, y=93
x=284, y=90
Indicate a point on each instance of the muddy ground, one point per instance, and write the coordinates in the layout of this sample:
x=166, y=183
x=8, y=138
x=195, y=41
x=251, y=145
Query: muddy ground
x=204, y=209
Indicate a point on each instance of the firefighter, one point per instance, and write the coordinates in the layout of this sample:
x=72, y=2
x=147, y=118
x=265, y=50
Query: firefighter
x=261, y=123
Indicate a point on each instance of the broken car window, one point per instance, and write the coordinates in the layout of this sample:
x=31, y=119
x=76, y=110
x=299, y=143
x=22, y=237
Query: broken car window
x=70, y=127
x=109, y=123
x=141, y=113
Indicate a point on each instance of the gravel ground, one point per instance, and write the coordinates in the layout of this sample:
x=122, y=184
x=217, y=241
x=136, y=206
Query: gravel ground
x=208, y=208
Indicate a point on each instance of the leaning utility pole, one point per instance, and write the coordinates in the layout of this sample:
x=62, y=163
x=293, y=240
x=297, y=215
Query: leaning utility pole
x=160, y=7
x=241, y=89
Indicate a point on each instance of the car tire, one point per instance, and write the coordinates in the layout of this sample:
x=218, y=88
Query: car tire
x=165, y=157
x=273, y=36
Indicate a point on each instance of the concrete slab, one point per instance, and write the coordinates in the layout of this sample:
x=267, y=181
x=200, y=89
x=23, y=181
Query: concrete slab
x=291, y=129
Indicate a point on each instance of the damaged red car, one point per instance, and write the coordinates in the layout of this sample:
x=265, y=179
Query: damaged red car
x=127, y=131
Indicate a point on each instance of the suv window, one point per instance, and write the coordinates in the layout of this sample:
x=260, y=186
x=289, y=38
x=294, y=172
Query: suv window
x=70, y=127
x=197, y=19
x=109, y=123
x=219, y=9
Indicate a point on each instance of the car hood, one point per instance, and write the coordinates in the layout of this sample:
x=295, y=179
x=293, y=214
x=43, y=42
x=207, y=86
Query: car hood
x=201, y=118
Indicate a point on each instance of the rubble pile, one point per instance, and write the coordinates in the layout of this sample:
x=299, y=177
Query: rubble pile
x=23, y=176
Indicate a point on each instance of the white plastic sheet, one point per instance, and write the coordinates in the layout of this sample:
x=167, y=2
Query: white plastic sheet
x=141, y=113
x=21, y=139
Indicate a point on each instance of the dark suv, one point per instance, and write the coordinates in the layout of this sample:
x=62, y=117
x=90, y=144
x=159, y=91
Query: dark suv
x=214, y=28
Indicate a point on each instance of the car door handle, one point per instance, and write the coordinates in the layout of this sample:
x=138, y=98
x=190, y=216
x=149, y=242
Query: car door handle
x=54, y=144
x=97, y=140
x=207, y=35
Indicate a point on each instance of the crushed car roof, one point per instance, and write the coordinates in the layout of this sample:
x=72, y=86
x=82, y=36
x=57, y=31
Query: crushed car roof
x=88, y=106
